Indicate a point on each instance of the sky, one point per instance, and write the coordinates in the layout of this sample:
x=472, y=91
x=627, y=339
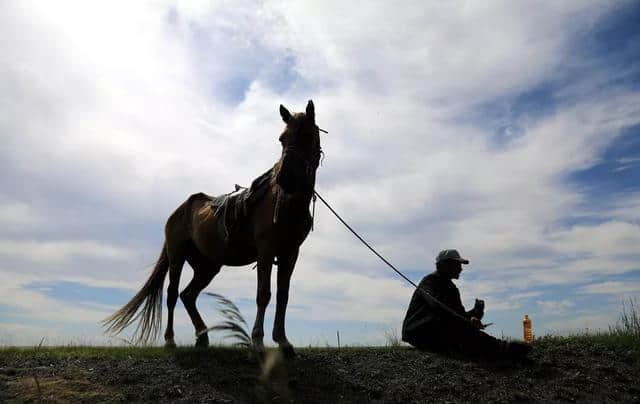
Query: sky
x=507, y=130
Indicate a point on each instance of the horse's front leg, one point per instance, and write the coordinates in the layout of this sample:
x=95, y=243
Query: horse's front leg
x=286, y=263
x=263, y=295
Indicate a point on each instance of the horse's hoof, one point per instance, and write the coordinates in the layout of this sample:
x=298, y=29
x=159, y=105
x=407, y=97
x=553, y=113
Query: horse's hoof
x=287, y=351
x=170, y=344
x=202, y=341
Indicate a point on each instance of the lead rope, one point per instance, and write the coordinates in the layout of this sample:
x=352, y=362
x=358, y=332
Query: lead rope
x=362, y=240
x=423, y=292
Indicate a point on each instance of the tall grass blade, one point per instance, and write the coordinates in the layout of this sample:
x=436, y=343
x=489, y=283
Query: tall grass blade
x=234, y=324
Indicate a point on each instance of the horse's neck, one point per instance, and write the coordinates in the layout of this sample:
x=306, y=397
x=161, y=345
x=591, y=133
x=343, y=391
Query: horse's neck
x=300, y=199
x=295, y=200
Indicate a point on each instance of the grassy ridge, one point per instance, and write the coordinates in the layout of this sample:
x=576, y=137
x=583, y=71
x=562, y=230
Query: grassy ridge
x=624, y=334
x=580, y=368
x=586, y=367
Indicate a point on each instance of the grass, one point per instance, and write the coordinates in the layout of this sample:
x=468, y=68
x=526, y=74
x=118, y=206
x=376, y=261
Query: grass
x=234, y=325
x=33, y=383
x=625, y=334
x=392, y=339
x=628, y=327
x=27, y=372
x=183, y=354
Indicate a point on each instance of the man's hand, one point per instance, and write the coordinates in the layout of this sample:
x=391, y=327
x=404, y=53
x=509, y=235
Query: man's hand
x=476, y=323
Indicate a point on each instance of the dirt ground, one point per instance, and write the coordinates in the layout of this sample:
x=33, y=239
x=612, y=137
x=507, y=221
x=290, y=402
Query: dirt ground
x=558, y=372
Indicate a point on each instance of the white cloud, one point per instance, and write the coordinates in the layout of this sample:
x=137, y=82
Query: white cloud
x=580, y=323
x=16, y=216
x=555, y=307
x=31, y=305
x=626, y=207
x=117, y=112
x=60, y=251
x=616, y=288
x=452, y=49
x=23, y=335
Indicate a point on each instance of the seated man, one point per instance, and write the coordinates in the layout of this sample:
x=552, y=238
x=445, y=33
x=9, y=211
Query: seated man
x=436, y=319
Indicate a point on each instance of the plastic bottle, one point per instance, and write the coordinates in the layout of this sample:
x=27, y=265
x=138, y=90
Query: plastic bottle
x=528, y=329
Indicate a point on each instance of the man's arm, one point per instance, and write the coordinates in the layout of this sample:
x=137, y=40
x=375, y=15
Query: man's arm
x=477, y=311
x=429, y=297
x=448, y=302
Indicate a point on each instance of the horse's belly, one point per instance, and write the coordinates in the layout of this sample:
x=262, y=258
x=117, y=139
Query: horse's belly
x=234, y=250
x=238, y=262
x=239, y=255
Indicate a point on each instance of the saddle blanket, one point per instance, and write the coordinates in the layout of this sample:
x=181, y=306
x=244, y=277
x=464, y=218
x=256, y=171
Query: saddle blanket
x=235, y=207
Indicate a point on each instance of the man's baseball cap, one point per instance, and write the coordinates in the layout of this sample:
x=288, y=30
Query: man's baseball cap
x=450, y=255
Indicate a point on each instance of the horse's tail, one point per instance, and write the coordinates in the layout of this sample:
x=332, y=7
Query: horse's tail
x=150, y=317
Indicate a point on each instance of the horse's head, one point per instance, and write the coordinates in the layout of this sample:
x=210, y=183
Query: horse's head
x=300, y=150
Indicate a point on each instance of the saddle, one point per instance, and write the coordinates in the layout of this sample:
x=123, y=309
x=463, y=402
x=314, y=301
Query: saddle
x=233, y=209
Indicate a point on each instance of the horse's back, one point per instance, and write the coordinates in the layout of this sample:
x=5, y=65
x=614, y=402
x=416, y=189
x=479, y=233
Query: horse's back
x=218, y=229
x=200, y=215
x=180, y=224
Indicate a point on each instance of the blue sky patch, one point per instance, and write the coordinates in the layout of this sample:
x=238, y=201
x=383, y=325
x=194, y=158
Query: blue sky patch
x=618, y=169
x=77, y=203
x=617, y=35
x=11, y=312
x=75, y=292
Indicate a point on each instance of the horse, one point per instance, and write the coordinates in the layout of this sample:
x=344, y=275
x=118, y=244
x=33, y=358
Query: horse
x=274, y=229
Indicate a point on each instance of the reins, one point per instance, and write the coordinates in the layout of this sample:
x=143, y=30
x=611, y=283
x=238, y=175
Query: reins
x=362, y=240
x=423, y=292
x=292, y=149
x=310, y=166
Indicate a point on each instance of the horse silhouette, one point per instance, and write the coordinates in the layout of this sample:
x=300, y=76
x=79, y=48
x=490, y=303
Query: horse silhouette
x=265, y=223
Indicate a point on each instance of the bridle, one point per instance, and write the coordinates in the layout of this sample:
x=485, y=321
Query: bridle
x=311, y=163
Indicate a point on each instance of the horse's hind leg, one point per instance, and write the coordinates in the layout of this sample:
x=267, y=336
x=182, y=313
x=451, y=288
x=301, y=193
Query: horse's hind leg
x=175, y=269
x=203, y=271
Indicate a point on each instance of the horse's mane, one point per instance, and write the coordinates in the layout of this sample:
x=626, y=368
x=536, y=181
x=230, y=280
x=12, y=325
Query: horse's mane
x=275, y=170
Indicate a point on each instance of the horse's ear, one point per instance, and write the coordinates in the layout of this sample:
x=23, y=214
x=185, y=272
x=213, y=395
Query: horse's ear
x=311, y=112
x=285, y=114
